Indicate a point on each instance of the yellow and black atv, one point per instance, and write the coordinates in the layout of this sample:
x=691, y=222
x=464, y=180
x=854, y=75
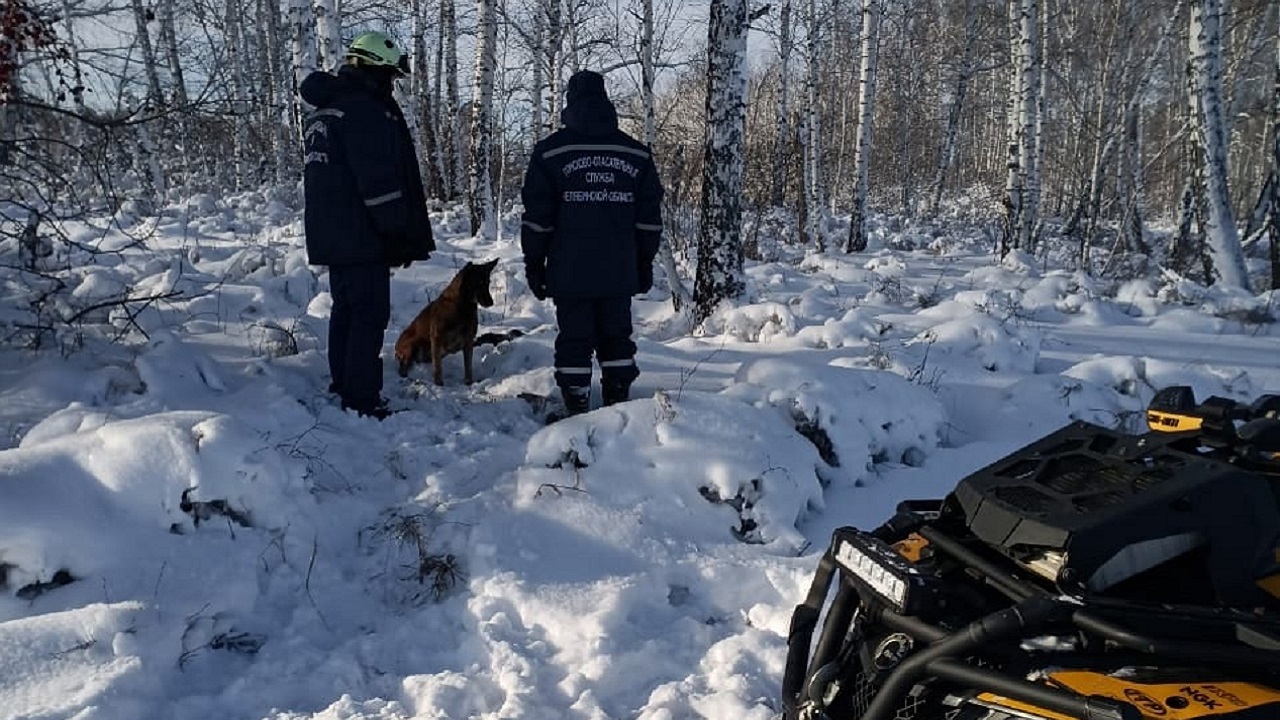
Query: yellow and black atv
x=1091, y=575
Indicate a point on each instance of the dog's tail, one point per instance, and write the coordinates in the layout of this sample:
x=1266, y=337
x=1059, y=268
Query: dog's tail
x=493, y=338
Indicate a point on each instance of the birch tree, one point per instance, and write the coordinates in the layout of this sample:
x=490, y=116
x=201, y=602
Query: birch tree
x=451, y=139
x=537, y=80
x=141, y=17
x=302, y=33
x=811, y=135
x=719, y=274
x=422, y=120
x=480, y=197
x=865, y=114
x=233, y=25
x=548, y=60
x=681, y=298
x=1221, y=234
x=1022, y=186
x=169, y=41
x=328, y=18
x=1273, y=216
x=275, y=90
x=782, y=138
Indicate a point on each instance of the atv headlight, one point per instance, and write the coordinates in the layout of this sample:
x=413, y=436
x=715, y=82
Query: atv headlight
x=878, y=568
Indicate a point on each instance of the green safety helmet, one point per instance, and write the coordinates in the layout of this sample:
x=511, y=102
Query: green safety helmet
x=374, y=48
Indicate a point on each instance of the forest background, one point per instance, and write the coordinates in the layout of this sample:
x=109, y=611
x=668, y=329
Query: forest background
x=1138, y=136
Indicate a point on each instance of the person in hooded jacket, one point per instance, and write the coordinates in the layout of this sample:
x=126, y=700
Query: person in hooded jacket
x=366, y=210
x=590, y=230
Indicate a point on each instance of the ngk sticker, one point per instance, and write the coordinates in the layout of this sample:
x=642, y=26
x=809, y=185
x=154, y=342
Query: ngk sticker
x=1200, y=696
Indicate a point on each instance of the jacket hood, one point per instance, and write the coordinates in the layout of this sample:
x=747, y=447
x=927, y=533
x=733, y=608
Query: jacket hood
x=321, y=88
x=590, y=115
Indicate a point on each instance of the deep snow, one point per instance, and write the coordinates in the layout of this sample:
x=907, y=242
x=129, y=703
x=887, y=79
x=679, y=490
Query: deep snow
x=241, y=548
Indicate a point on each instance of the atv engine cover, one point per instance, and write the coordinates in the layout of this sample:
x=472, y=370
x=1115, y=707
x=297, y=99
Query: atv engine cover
x=1109, y=506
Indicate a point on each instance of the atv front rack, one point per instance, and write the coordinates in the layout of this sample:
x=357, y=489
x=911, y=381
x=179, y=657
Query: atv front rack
x=917, y=652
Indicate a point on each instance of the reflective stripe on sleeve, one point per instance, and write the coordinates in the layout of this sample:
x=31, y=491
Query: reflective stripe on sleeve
x=647, y=226
x=371, y=202
x=536, y=227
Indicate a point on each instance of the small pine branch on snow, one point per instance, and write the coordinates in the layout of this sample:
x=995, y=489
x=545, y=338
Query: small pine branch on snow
x=426, y=575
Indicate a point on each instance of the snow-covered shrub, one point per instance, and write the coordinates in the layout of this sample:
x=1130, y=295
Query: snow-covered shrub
x=867, y=417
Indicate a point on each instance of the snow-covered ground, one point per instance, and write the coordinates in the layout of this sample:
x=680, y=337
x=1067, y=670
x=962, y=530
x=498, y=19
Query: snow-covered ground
x=191, y=528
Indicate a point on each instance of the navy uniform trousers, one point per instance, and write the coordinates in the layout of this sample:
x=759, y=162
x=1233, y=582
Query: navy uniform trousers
x=359, y=318
x=594, y=325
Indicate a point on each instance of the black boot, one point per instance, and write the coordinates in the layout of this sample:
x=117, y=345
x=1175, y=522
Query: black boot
x=577, y=398
x=613, y=392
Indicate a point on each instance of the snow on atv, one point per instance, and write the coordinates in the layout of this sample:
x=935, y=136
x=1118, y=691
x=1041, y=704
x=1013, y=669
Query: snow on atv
x=1091, y=575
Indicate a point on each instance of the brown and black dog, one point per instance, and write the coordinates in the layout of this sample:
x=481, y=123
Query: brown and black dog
x=448, y=324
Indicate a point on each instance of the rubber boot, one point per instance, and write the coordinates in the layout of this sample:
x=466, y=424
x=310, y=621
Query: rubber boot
x=577, y=399
x=613, y=392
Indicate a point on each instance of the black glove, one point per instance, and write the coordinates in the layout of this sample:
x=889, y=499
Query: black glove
x=645, y=275
x=536, y=275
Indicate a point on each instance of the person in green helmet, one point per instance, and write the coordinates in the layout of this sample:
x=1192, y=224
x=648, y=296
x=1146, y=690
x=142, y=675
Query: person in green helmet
x=365, y=208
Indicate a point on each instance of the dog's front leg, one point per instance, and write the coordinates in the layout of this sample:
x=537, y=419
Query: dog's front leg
x=437, y=362
x=467, y=349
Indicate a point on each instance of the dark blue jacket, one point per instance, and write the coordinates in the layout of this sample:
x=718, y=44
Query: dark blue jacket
x=363, y=190
x=592, y=205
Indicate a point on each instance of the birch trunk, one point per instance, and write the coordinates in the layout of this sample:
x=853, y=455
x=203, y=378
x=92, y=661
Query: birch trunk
x=480, y=197
x=871, y=10
x=155, y=98
x=422, y=116
x=1273, y=216
x=1015, y=186
x=149, y=169
x=452, y=140
x=538, y=79
x=239, y=92
x=1031, y=111
x=441, y=120
x=1221, y=234
x=265, y=102
x=328, y=15
x=553, y=57
x=810, y=137
x=302, y=28
x=647, y=61
x=782, y=140
x=1022, y=186
x=720, y=262
x=169, y=39
x=1040, y=93
x=73, y=48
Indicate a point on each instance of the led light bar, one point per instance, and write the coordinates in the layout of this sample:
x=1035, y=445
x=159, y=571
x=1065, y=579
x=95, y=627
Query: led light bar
x=878, y=568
